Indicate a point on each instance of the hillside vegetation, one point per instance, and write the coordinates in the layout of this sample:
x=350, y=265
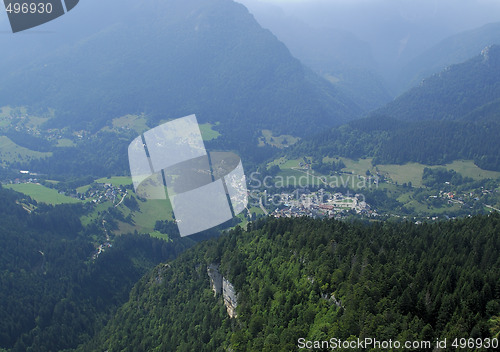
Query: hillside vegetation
x=313, y=279
x=56, y=290
x=451, y=116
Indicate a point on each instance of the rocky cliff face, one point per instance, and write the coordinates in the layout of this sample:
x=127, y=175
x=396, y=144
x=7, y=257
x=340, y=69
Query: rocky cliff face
x=215, y=278
x=221, y=285
x=230, y=297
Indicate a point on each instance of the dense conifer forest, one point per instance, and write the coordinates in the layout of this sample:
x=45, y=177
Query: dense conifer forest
x=54, y=293
x=319, y=279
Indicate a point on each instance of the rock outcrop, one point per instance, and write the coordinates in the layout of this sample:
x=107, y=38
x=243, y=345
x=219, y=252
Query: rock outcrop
x=221, y=285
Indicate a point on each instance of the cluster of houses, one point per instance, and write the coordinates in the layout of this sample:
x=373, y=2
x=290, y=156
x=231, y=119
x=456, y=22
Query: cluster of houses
x=103, y=192
x=320, y=204
x=466, y=198
x=26, y=177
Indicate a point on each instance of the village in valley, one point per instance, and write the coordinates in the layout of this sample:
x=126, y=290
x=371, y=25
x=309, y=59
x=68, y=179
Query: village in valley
x=320, y=204
x=97, y=192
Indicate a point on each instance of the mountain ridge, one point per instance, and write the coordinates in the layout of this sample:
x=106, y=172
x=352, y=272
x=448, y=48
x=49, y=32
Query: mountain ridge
x=453, y=93
x=450, y=51
x=205, y=57
x=316, y=279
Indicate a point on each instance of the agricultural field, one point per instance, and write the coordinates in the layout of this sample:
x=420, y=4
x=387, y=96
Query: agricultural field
x=19, y=117
x=11, y=152
x=280, y=142
x=151, y=211
x=284, y=163
x=468, y=169
x=161, y=236
x=357, y=167
x=207, y=131
x=131, y=122
x=138, y=123
x=65, y=143
x=41, y=193
x=412, y=172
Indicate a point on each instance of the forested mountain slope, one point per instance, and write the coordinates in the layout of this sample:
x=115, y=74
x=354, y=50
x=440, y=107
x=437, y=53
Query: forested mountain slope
x=453, y=93
x=391, y=141
x=319, y=279
x=168, y=59
x=452, y=115
x=54, y=293
x=338, y=55
x=453, y=50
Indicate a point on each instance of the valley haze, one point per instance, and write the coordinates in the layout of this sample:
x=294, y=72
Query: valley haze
x=368, y=208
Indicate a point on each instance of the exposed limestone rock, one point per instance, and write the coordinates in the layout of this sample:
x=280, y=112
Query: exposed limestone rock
x=221, y=285
x=230, y=298
x=215, y=278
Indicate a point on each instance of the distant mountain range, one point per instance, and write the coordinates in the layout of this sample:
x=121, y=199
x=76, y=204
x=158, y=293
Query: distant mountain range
x=337, y=55
x=168, y=59
x=453, y=50
x=453, y=93
x=451, y=115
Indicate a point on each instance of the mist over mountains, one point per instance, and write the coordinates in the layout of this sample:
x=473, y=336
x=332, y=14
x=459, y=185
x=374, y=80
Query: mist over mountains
x=452, y=93
x=169, y=59
x=396, y=33
x=400, y=97
x=452, y=50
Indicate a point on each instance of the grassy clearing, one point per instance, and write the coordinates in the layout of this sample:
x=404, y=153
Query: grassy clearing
x=357, y=167
x=150, y=212
x=281, y=142
x=116, y=180
x=144, y=219
x=468, y=169
x=8, y=111
x=11, y=152
x=404, y=198
x=256, y=210
x=35, y=122
x=160, y=235
x=65, y=142
x=19, y=116
x=42, y=194
x=284, y=164
x=99, y=208
x=298, y=179
x=131, y=122
x=83, y=189
x=411, y=172
x=423, y=209
x=207, y=131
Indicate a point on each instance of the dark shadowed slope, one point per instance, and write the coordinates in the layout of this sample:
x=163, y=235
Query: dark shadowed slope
x=169, y=59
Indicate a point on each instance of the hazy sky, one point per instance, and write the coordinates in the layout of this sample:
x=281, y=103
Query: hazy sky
x=457, y=14
x=387, y=24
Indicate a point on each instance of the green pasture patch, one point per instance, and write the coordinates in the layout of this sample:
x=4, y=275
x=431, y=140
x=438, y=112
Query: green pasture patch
x=42, y=194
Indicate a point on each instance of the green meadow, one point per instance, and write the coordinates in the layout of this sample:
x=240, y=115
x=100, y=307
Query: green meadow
x=10, y=152
x=42, y=194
